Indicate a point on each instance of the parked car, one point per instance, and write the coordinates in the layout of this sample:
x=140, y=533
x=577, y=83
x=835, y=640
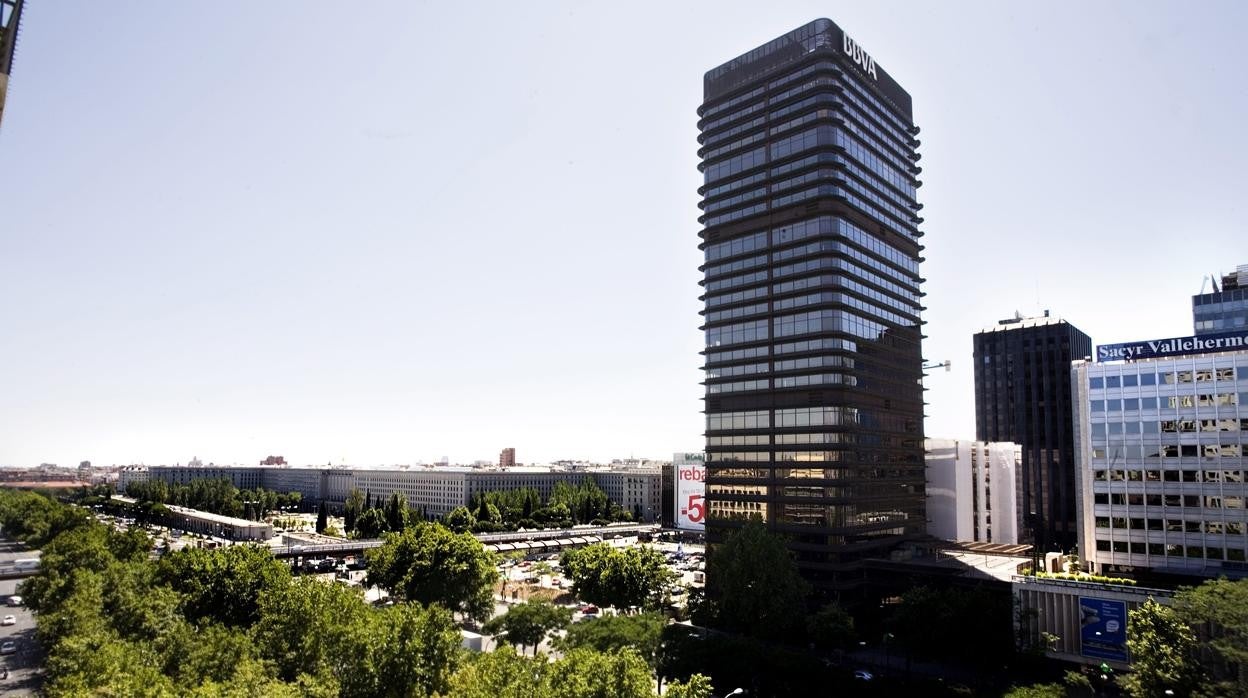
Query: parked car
x=588, y=609
x=9, y=620
x=863, y=675
x=9, y=647
x=15, y=600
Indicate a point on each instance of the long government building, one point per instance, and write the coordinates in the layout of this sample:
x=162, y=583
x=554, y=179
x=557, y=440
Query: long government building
x=436, y=491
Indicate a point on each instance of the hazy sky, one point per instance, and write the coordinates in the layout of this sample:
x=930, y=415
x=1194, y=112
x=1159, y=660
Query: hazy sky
x=386, y=232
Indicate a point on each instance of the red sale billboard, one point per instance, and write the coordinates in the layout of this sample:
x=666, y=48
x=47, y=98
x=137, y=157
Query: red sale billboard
x=690, y=490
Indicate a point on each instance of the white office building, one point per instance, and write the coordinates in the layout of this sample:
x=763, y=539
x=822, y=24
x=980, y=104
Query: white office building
x=972, y=490
x=1161, y=449
x=432, y=491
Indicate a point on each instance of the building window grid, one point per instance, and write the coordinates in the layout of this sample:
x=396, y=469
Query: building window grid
x=1186, y=511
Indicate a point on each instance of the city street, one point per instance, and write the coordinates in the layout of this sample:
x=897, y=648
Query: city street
x=26, y=665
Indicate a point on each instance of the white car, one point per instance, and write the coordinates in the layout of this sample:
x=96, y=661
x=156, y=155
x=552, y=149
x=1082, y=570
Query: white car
x=9, y=620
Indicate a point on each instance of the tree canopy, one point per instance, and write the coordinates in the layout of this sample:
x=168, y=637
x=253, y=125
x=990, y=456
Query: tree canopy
x=233, y=622
x=527, y=624
x=216, y=495
x=1163, y=652
x=427, y=563
x=643, y=633
x=619, y=577
x=753, y=585
x=224, y=584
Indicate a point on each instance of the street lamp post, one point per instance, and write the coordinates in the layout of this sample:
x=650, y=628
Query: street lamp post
x=887, y=664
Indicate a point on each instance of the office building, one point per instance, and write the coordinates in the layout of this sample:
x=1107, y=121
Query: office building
x=507, y=458
x=1226, y=308
x=1162, y=448
x=1022, y=395
x=814, y=411
x=972, y=492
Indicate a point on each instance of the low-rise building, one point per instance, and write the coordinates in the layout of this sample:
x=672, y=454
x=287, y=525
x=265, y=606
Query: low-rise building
x=972, y=490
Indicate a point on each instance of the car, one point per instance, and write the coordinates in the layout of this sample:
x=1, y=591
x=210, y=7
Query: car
x=589, y=609
x=9, y=647
x=9, y=620
x=863, y=675
x=15, y=601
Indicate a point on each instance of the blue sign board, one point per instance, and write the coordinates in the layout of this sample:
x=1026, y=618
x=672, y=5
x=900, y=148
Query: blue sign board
x=1103, y=634
x=1174, y=346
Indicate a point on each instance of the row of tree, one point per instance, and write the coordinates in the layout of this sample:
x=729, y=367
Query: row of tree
x=364, y=518
x=218, y=496
x=496, y=510
x=568, y=505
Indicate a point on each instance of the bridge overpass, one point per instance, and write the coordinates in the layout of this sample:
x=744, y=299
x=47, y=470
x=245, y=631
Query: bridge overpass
x=509, y=541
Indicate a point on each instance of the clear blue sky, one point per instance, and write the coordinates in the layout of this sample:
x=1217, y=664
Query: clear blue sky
x=391, y=231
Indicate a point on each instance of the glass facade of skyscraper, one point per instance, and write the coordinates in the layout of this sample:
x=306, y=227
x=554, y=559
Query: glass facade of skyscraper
x=1226, y=308
x=1022, y=394
x=814, y=407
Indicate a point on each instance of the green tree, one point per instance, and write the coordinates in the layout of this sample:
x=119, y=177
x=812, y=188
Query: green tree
x=85, y=548
x=527, y=624
x=100, y=663
x=351, y=510
x=588, y=674
x=1221, y=606
x=698, y=686
x=979, y=616
x=501, y=674
x=428, y=563
x=460, y=519
x=753, y=584
x=396, y=512
x=225, y=584
x=643, y=633
x=371, y=524
x=309, y=627
x=1040, y=690
x=322, y=517
x=403, y=650
x=1163, y=653
x=252, y=678
x=619, y=577
x=138, y=607
x=209, y=652
x=831, y=628
x=530, y=504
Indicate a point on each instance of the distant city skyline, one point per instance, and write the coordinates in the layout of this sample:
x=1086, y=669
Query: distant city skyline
x=453, y=229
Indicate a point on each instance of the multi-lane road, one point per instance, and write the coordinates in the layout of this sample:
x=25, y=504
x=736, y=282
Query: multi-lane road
x=26, y=665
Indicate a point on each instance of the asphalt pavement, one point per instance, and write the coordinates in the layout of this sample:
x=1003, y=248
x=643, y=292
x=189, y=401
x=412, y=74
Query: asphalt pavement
x=26, y=665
